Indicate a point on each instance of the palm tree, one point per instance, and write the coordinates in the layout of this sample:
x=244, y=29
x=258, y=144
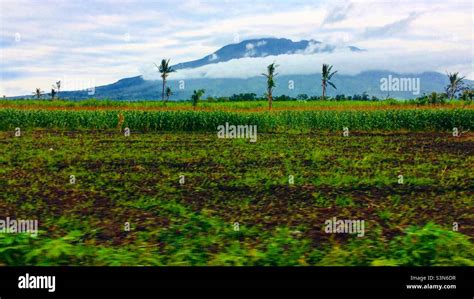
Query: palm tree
x=197, y=94
x=270, y=75
x=168, y=93
x=38, y=93
x=164, y=69
x=326, y=76
x=58, y=86
x=53, y=93
x=456, y=84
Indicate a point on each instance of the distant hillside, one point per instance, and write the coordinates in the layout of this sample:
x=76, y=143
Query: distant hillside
x=136, y=88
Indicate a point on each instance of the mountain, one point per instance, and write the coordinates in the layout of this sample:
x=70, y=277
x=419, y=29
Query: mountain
x=137, y=88
x=261, y=48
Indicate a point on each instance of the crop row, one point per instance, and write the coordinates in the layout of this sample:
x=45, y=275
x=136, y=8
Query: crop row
x=431, y=120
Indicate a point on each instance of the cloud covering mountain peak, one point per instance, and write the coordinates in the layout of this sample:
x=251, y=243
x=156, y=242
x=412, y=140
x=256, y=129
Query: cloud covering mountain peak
x=250, y=58
x=240, y=60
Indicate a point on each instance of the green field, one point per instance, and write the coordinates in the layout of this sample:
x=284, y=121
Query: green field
x=232, y=105
x=283, y=121
x=192, y=198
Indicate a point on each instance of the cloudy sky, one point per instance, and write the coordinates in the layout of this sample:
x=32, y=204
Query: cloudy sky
x=86, y=43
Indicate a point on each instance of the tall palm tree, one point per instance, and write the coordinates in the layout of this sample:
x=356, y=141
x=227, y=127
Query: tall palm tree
x=456, y=84
x=165, y=69
x=58, y=86
x=197, y=94
x=326, y=76
x=270, y=75
x=38, y=93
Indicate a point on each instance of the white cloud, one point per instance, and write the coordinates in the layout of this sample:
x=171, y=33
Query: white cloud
x=250, y=50
x=346, y=62
x=338, y=13
x=213, y=57
x=317, y=47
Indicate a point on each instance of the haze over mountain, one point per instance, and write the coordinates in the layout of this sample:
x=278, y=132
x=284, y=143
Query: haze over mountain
x=136, y=88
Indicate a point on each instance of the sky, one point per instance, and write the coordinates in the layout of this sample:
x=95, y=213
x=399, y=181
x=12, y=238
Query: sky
x=93, y=43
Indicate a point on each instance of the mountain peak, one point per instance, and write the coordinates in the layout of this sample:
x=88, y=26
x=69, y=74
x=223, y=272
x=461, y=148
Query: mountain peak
x=262, y=47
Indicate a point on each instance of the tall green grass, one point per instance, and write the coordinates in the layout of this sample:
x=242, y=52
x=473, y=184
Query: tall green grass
x=222, y=106
x=431, y=120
